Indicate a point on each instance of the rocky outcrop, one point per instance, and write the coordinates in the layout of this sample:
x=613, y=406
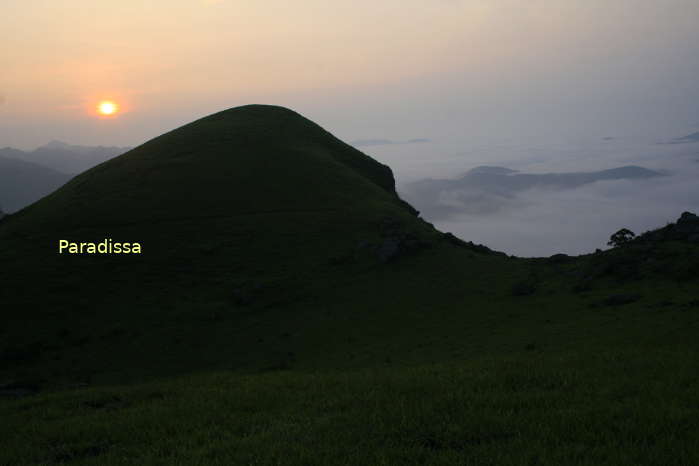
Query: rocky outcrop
x=394, y=242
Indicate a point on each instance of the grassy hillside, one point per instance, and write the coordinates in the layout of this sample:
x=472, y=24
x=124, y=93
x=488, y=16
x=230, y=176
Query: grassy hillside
x=250, y=217
x=289, y=308
x=636, y=407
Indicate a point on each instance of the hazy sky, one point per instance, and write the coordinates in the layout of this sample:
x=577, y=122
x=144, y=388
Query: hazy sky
x=451, y=70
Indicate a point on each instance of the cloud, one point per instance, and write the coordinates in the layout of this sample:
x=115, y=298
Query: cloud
x=489, y=189
x=578, y=221
x=541, y=221
x=690, y=138
x=694, y=137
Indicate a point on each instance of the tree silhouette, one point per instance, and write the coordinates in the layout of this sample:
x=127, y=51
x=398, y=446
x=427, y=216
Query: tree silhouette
x=621, y=237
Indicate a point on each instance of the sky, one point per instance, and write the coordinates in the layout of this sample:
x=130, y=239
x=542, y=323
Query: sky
x=445, y=69
x=533, y=84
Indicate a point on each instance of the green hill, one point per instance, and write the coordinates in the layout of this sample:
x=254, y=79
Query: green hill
x=252, y=217
x=246, y=161
x=289, y=308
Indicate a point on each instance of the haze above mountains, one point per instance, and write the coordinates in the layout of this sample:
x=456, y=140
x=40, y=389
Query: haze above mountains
x=65, y=158
x=531, y=211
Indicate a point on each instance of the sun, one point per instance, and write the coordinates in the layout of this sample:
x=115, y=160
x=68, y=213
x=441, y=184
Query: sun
x=107, y=108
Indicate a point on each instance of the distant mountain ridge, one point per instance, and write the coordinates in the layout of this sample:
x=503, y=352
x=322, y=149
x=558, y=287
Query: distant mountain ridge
x=22, y=183
x=64, y=157
x=485, y=188
x=27, y=176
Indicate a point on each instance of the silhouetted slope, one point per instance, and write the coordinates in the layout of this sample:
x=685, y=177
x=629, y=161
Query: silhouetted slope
x=253, y=208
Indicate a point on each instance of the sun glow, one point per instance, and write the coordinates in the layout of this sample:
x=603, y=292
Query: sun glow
x=107, y=108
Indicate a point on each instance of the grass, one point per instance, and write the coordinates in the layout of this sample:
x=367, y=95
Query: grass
x=359, y=317
x=612, y=407
x=263, y=326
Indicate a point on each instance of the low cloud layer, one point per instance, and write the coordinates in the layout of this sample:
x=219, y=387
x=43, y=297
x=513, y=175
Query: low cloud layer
x=541, y=219
x=489, y=189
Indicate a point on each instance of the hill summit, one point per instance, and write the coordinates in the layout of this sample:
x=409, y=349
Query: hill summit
x=248, y=160
x=259, y=186
x=255, y=207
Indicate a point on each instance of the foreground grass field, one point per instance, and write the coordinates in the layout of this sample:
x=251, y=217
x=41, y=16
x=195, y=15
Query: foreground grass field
x=289, y=308
x=613, y=407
